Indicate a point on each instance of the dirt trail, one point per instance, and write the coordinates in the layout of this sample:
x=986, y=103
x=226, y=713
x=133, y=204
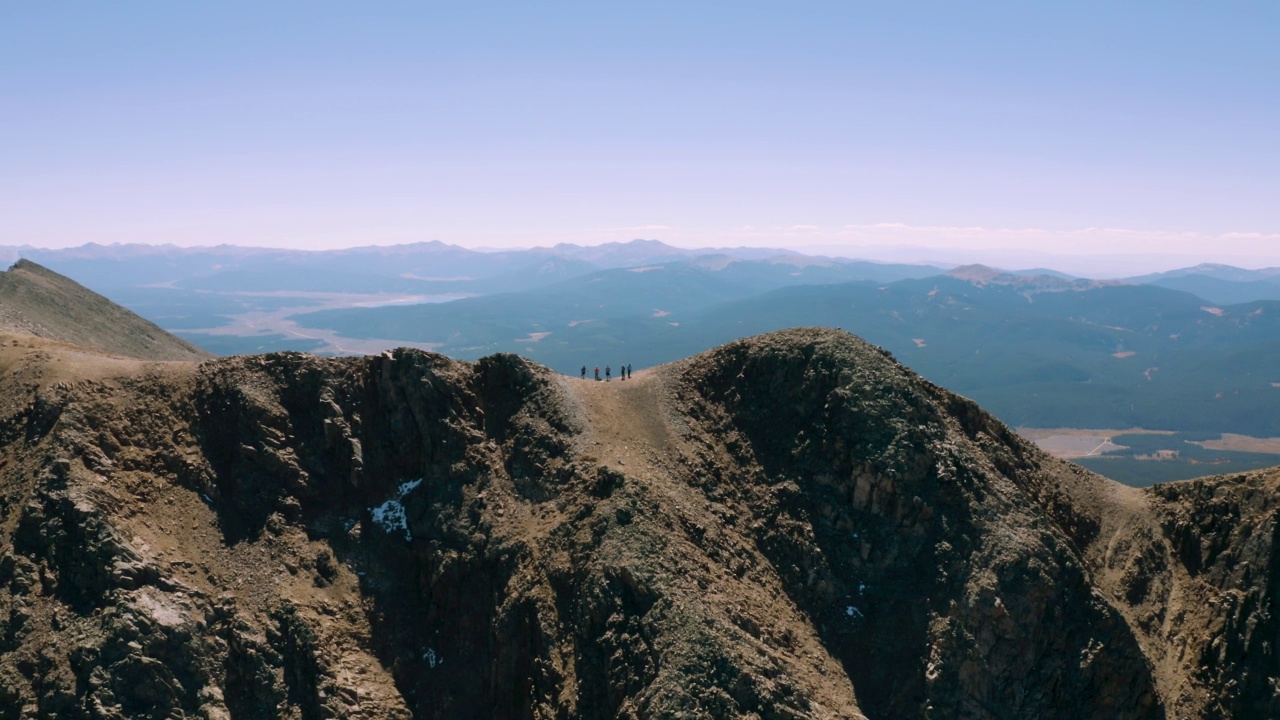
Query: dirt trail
x=625, y=422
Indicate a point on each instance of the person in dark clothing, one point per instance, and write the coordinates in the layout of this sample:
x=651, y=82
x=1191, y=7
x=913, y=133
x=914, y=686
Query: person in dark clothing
x=622, y=371
x=607, y=370
x=628, y=369
x=584, y=372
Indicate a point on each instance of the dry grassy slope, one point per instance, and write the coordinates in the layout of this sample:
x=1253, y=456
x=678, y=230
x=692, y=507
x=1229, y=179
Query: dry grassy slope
x=788, y=526
x=38, y=301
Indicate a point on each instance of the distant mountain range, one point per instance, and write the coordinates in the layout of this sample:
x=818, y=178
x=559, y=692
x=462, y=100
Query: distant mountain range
x=1038, y=350
x=427, y=267
x=1193, y=349
x=1219, y=283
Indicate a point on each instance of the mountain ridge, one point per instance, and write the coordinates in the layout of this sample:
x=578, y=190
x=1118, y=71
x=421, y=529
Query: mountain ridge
x=1080, y=353
x=44, y=303
x=789, y=525
x=1105, y=355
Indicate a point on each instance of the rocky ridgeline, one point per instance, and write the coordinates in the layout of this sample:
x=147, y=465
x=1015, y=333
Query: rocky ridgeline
x=799, y=527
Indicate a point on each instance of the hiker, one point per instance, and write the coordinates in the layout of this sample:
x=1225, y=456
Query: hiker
x=628, y=369
x=597, y=373
x=622, y=371
x=584, y=372
x=607, y=370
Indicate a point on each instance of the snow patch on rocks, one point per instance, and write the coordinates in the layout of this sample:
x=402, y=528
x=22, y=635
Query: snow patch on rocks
x=390, y=515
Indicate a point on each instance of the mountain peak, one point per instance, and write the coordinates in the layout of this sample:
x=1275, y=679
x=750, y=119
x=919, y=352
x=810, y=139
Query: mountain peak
x=981, y=275
x=1032, y=282
x=43, y=303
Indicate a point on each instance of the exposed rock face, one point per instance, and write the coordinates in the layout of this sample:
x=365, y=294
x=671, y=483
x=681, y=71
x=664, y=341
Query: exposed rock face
x=900, y=519
x=788, y=526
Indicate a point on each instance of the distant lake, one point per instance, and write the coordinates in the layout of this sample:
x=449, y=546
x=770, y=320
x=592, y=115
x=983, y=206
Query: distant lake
x=413, y=300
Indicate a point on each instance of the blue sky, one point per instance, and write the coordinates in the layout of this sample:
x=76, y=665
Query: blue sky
x=1081, y=127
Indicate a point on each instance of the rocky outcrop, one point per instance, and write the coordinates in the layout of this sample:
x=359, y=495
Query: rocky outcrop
x=901, y=521
x=788, y=526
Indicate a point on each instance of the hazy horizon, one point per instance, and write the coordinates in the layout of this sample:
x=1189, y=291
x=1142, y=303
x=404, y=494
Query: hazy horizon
x=1119, y=139
x=1100, y=266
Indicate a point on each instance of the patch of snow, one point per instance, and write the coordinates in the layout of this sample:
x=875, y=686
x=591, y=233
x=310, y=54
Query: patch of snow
x=390, y=515
x=853, y=612
x=431, y=658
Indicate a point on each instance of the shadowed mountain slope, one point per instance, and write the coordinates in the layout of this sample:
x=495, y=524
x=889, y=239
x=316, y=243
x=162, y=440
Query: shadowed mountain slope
x=40, y=302
x=791, y=525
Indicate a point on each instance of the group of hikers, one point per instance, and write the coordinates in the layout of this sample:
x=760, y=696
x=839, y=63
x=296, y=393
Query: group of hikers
x=624, y=372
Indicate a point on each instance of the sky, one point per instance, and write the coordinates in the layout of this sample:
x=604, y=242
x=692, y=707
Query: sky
x=1020, y=130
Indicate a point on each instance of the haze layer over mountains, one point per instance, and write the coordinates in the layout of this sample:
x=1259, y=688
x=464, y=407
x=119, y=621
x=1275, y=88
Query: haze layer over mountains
x=1192, y=352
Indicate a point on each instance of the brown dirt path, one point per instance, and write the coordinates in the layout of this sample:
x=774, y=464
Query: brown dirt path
x=625, y=422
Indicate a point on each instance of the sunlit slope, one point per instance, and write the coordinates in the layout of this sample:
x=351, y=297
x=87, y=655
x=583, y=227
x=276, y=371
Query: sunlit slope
x=58, y=308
